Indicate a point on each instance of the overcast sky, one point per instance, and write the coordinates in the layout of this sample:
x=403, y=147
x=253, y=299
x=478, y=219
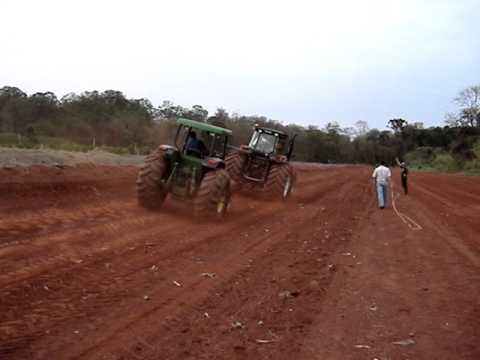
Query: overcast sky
x=304, y=62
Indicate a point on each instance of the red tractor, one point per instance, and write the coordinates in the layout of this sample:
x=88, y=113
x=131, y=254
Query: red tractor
x=263, y=165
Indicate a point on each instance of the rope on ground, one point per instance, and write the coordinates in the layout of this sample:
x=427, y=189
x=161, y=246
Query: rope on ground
x=407, y=220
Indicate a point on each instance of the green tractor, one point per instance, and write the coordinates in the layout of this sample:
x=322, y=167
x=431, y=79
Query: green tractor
x=192, y=170
x=263, y=165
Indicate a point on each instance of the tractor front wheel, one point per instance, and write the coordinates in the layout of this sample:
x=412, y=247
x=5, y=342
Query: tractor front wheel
x=213, y=195
x=280, y=182
x=234, y=163
x=150, y=190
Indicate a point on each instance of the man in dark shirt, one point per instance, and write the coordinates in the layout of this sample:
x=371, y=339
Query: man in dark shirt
x=403, y=175
x=195, y=146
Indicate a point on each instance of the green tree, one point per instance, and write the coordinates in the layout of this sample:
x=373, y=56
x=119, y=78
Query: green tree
x=397, y=124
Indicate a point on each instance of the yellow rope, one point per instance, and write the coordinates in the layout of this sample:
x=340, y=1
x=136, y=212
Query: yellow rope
x=407, y=220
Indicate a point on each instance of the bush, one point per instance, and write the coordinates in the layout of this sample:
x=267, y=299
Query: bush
x=445, y=162
x=476, y=150
x=114, y=150
x=14, y=140
x=9, y=139
x=421, y=157
x=473, y=167
x=55, y=143
x=61, y=144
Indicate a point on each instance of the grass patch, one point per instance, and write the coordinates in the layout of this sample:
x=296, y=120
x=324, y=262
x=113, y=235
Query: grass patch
x=445, y=162
x=40, y=142
x=436, y=159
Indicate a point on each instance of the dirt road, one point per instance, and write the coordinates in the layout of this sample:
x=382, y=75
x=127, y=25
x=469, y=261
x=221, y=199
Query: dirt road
x=86, y=274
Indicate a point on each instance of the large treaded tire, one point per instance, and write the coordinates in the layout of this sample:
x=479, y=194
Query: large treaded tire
x=150, y=192
x=213, y=195
x=234, y=163
x=280, y=182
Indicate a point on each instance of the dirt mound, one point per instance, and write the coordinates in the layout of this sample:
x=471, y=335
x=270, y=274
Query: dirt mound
x=11, y=157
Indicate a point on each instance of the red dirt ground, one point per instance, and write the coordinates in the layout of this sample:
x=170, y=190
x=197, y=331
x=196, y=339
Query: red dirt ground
x=86, y=274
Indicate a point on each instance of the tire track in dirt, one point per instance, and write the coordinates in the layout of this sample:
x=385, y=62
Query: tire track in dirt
x=48, y=277
x=454, y=189
x=56, y=220
x=463, y=239
x=265, y=243
x=94, y=244
x=75, y=280
x=464, y=209
x=402, y=284
x=243, y=301
x=48, y=243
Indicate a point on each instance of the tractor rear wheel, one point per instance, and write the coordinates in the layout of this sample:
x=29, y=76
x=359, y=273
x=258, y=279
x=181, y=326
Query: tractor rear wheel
x=280, y=182
x=150, y=191
x=213, y=195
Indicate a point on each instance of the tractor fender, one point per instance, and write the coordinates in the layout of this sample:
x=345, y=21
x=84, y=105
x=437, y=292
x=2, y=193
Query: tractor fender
x=168, y=149
x=171, y=155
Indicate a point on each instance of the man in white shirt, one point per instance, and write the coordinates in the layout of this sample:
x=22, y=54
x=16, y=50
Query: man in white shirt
x=382, y=177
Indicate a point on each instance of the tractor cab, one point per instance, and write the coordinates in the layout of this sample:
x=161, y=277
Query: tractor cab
x=199, y=148
x=270, y=143
x=202, y=141
x=263, y=165
x=267, y=149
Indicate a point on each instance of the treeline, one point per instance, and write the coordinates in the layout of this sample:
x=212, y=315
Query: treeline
x=109, y=119
x=91, y=118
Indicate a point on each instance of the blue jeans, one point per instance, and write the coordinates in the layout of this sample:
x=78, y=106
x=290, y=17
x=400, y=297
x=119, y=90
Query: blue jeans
x=382, y=193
